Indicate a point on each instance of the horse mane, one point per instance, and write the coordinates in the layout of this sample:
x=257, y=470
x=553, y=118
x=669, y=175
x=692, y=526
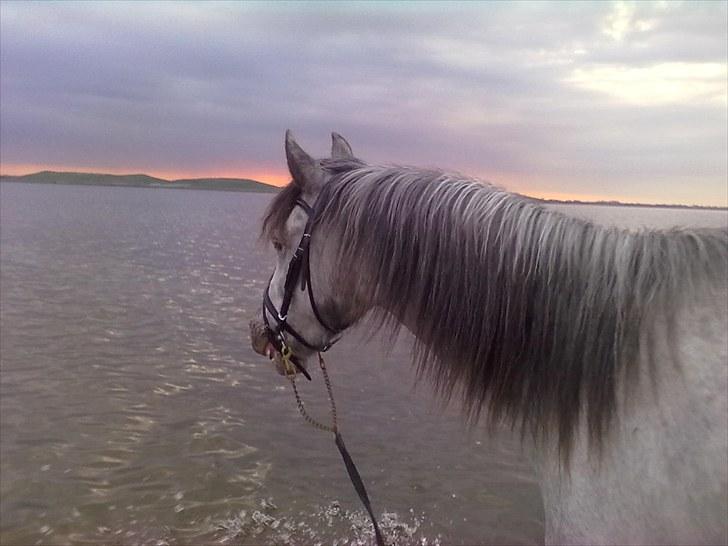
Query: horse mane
x=529, y=314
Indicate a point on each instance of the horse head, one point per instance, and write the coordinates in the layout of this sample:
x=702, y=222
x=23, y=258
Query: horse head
x=300, y=315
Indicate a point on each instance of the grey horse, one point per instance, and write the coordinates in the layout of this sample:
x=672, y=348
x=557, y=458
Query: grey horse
x=606, y=348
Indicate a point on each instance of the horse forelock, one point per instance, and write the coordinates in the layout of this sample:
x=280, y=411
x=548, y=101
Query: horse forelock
x=274, y=221
x=529, y=314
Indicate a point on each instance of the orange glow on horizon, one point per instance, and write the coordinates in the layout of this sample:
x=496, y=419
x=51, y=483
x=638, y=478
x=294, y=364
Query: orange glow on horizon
x=273, y=177
x=281, y=177
x=524, y=185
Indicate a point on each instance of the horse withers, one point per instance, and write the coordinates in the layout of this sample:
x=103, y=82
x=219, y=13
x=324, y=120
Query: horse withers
x=606, y=348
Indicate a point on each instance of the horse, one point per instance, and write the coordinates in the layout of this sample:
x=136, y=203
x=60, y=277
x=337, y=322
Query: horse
x=605, y=348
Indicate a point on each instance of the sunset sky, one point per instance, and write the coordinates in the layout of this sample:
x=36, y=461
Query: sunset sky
x=570, y=100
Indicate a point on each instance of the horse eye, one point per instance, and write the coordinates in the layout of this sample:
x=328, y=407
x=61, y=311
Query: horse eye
x=278, y=246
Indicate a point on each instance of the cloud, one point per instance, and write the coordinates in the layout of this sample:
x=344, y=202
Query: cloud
x=658, y=84
x=565, y=97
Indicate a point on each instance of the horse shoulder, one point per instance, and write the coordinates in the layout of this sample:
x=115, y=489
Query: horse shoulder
x=663, y=475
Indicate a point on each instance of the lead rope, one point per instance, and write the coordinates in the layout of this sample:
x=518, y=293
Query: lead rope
x=334, y=429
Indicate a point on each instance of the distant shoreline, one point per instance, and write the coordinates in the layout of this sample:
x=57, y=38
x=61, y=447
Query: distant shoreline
x=249, y=185
x=141, y=181
x=620, y=204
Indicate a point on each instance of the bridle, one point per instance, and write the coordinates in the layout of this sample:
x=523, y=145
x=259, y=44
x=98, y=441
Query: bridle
x=299, y=269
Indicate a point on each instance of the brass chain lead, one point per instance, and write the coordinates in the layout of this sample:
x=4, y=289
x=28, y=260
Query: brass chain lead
x=302, y=409
x=330, y=392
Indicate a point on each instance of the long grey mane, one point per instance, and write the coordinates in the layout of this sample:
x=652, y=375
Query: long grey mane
x=530, y=315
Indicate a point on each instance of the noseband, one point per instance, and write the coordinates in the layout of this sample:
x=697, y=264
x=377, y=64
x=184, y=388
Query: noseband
x=298, y=270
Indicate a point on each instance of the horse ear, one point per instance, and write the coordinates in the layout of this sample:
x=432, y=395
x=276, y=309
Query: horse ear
x=340, y=148
x=302, y=166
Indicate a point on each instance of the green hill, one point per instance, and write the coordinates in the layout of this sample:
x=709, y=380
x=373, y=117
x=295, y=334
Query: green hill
x=141, y=181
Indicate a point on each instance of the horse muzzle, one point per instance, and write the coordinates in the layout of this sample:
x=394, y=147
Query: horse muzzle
x=264, y=343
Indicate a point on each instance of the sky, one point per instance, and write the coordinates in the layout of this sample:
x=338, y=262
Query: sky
x=573, y=100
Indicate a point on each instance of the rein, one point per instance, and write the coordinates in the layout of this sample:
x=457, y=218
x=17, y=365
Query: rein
x=299, y=270
x=351, y=469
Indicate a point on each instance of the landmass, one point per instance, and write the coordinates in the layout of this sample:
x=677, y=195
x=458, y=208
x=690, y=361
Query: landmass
x=141, y=181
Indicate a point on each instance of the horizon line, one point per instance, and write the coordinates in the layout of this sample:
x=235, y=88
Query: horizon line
x=555, y=197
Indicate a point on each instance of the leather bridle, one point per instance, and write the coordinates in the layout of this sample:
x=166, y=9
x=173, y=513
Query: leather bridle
x=299, y=270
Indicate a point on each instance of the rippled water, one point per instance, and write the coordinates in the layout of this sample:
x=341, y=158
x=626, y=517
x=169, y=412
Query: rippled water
x=133, y=410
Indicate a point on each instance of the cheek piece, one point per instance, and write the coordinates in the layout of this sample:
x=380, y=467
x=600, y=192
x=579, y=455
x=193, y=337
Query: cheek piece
x=298, y=274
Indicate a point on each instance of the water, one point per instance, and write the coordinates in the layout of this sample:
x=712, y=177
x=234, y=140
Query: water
x=133, y=411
